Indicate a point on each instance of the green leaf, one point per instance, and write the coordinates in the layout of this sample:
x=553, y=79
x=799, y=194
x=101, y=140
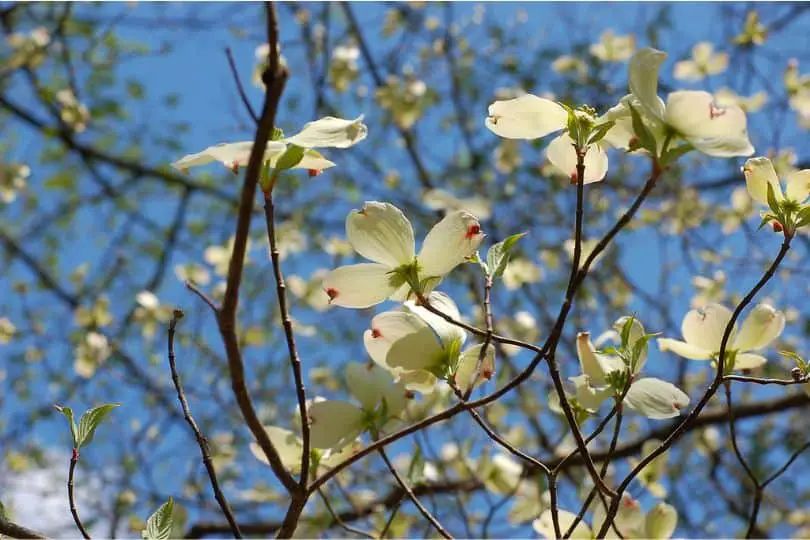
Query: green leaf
x=277, y=134
x=772, y=202
x=767, y=218
x=159, y=524
x=417, y=467
x=3, y=509
x=498, y=255
x=600, y=131
x=68, y=412
x=626, y=328
x=475, y=258
x=645, y=137
x=803, y=217
x=290, y=158
x=674, y=154
x=90, y=421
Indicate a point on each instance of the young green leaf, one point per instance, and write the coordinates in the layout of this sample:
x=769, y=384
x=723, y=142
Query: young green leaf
x=772, y=202
x=645, y=137
x=600, y=131
x=803, y=217
x=68, y=412
x=498, y=255
x=290, y=158
x=159, y=524
x=90, y=421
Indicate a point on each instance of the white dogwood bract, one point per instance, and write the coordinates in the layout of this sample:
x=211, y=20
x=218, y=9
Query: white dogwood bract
x=381, y=233
x=704, y=62
x=335, y=423
x=328, y=132
x=703, y=330
x=760, y=173
x=531, y=117
x=419, y=346
x=544, y=525
x=649, y=396
x=690, y=115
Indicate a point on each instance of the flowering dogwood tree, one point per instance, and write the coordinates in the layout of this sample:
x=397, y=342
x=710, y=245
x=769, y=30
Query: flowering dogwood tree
x=318, y=375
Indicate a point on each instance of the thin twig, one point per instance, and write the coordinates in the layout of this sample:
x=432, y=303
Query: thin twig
x=286, y=321
x=336, y=518
x=74, y=458
x=201, y=440
x=411, y=495
x=12, y=530
x=204, y=297
x=681, y=428
x=239, y=87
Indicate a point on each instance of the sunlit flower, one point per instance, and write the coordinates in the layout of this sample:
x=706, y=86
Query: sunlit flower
x=689, y=115
x=531, y=117
x=90, y=354
x=726, y=97
x=703, y=333
x=73, y=113
x=704, y=62
x=760, y=173
x=13, y=178
x=381, y=233
x=613, y=48
x=419, y=347
x=328, y=132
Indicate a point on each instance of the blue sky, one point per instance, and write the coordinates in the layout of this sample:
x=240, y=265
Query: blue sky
x=197, y=70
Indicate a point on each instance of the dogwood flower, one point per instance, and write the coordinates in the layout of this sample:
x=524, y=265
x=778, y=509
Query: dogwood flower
x=651, y=397
x=629, y=521
x=381, y=233
x=704, y=62
x=531, y=117
x=613, y=48
x=703, y=332
x=328, y=132
x=334, y=423
x=290, y=448
x=419, y=347
x=760, y=173
x=688, y=114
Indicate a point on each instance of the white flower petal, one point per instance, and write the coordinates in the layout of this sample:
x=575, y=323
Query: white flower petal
x=381, y=233
x=661, y=521
x=723, y=147
x=467, y=362
x=447, y=332
x=692, y=352
x=629, y=518
x=526, y=117
x=704, y=327
x=312, y=160
x=421, y=350
x=596, y=366
x=694, y=114
x=759, y=173
x=330, y=132
x=749, y=361
x=643, y=80
x=387, y=328
x=763, y=325
x=798, y=186
x=589, y=397
x=423, y=382
x=358, y=285
x=656, y=399
x=334, y=424
x=545, y=526
x=366, y=383
x=449, y=243
x=560, y=152
x=288, y=445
